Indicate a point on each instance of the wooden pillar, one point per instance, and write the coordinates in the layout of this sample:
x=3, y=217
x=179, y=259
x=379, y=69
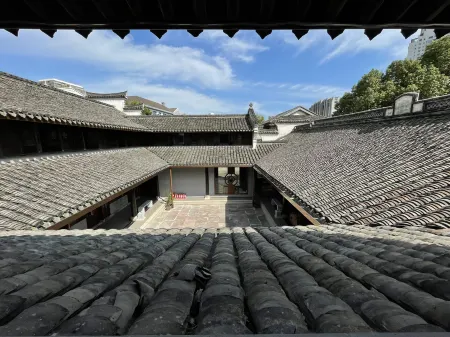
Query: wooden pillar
x=37, y=138
x=83, y=140
x=256, y=198
x=133, y=203
x=170, y=180
x=206, y=181
x=61, y=142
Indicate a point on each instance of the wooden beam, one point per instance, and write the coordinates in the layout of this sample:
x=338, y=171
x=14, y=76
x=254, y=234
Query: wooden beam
x=266, y=9
x=89, y=209
x=299, y=208
x=133, y=203
x=233, y=9
x=37, y=138
x=170, y=181
x=334, y=8
x=135, y=7
x=200, y=10
x=407, y=4
x=104, y=8
x=206, y=181
x=438, y=10
x=166, y=9
x=293, y=203
x=372, y=10
x=75, y=12
x=36, y=7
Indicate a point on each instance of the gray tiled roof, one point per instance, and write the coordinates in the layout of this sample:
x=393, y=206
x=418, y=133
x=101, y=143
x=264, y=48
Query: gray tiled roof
x=389, y=172
x=212, y=155
x=194, y=123
x=27, y=100
x=150, y=103
x=288, y=116
x=38, y=192
x=94, y=95
x=327, y=279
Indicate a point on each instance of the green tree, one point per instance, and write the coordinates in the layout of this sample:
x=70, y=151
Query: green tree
x=133, y=103
x=375, y=89
x=367, y=94
x=259, y=118
x=146, y=111
x=438, y=54
x=411, y=75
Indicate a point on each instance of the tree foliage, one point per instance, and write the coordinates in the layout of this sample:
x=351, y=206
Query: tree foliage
x=375, y=89
x=259, y=119
x=146, y=111
x=438, y=54
x=133, y=103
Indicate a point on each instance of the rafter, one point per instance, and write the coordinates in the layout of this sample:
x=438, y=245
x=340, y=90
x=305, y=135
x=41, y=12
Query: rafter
x=438, y=10
x=335, y=8
x=266, y=9
x=406, y=5
x=372, y=8
x=135, y=7
x=200, y=10
x=37, y=8
x=165, y=6
x=74, y=11
x=233, y=9
x=105, y=9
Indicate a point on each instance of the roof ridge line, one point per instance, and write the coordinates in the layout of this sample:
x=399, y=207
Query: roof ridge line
x=184, y=116
x=368, y=120
x=2, y=73
x=44, y=156
x=11, y=110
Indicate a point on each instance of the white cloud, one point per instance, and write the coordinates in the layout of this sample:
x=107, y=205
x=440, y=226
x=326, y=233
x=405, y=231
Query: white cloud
x=107, y=51
x=390, y=42
x=184, y=98
x=242, y=47
x=307, y=41
x=301, y=90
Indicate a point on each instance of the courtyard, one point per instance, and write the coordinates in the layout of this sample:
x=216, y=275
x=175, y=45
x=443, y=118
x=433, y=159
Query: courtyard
x=208, y=216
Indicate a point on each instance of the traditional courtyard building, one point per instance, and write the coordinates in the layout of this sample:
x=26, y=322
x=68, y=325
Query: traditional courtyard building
x=282, y=124
x=370, y=190
x=157, y=109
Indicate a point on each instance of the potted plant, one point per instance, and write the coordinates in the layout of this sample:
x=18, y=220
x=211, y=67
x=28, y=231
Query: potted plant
x=169, y=202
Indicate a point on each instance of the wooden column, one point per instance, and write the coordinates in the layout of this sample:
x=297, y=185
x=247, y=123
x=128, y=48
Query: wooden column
x=256, y=198
x=83, y=140
x=170, y=180
x=207, y=181
x=61, y=142
x=37, y=138
x=133, y=203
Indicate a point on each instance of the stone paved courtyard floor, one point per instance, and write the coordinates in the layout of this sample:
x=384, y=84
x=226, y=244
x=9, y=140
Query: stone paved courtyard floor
x=208, y=216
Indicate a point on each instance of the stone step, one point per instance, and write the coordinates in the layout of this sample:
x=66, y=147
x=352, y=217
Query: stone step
x=214, y=201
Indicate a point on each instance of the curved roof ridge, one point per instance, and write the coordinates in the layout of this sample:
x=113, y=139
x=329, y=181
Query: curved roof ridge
x=121, y=94
x=2, y=73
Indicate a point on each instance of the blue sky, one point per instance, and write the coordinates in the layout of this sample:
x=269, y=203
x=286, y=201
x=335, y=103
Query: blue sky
x=208, y=74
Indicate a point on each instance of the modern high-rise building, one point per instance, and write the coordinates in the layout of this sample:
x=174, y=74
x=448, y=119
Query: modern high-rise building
x=325, y=107
x=418, y=45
